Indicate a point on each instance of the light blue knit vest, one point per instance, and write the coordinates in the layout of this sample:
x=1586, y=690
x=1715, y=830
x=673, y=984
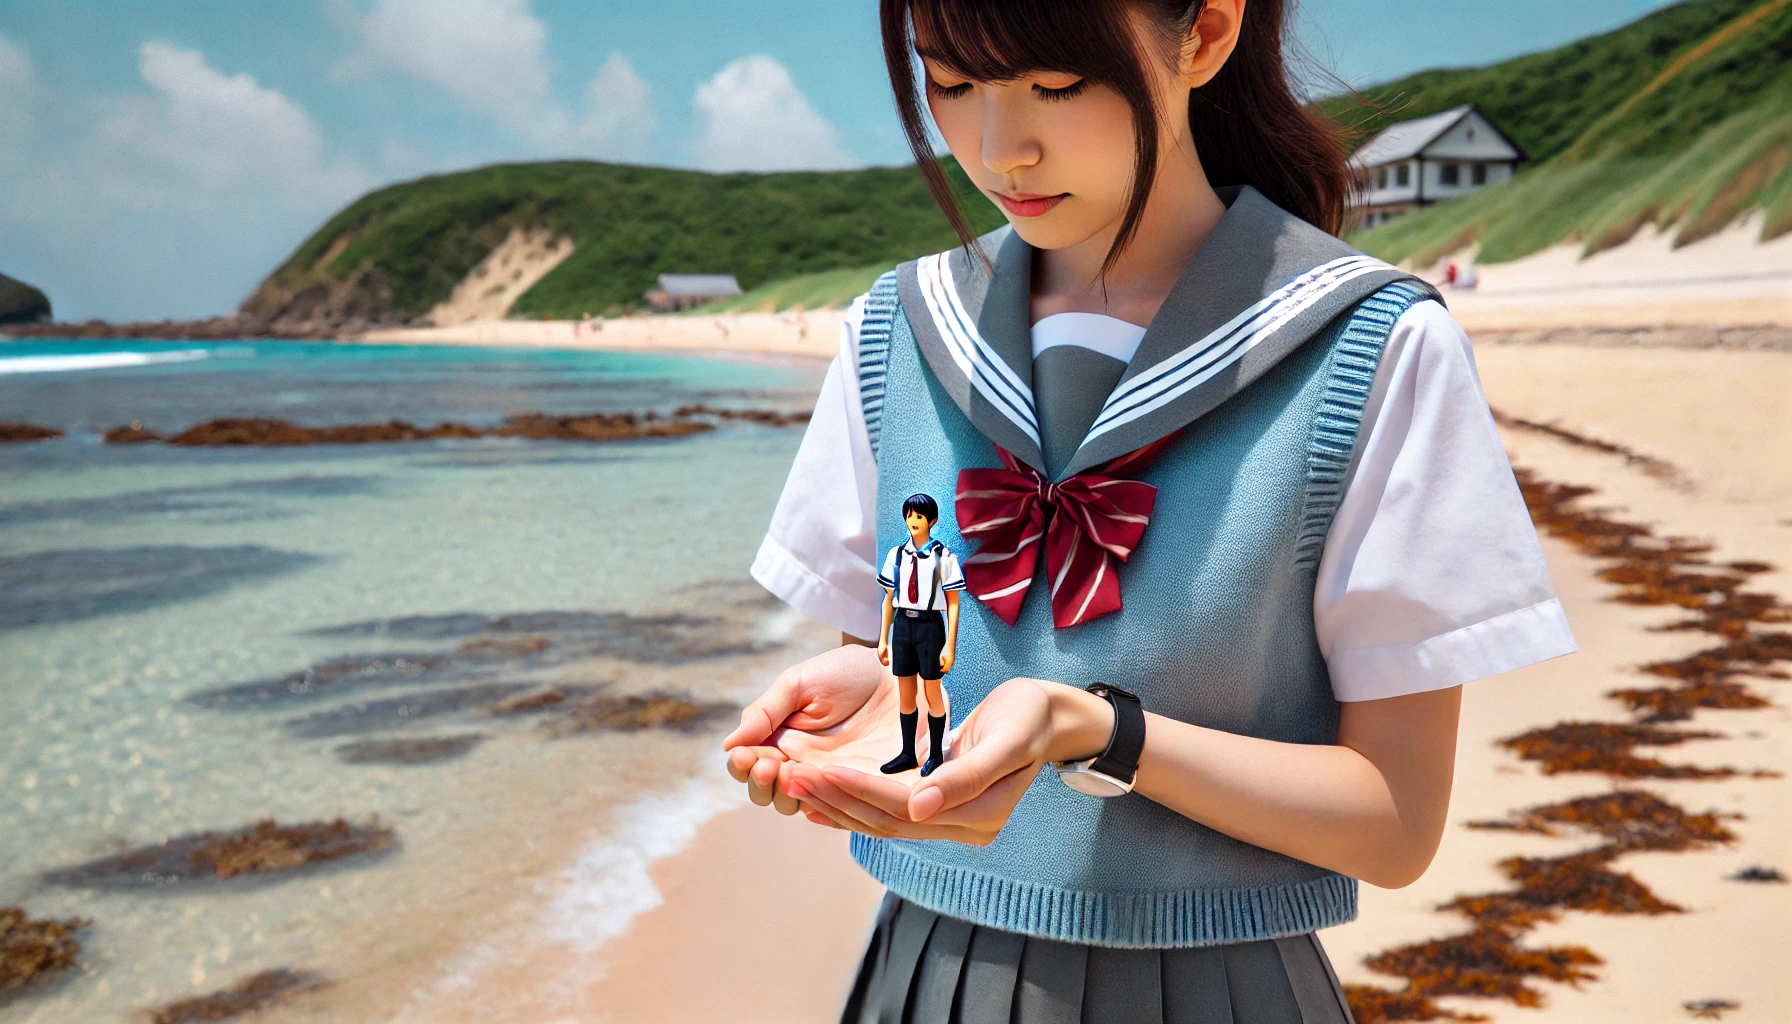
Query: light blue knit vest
x=1217, y=630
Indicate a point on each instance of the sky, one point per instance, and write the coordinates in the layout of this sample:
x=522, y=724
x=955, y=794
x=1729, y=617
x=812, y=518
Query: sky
x=158, y=159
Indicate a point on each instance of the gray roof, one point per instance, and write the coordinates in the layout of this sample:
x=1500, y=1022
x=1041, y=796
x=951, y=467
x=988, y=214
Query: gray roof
x=702, y=285
x=1405, y=140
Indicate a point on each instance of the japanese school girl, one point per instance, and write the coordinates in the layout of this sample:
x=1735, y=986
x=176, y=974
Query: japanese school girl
x=1198, y=450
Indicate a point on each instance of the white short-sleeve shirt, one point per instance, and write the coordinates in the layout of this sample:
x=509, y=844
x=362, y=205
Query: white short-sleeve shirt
x=1431, y=575
x=932, y=570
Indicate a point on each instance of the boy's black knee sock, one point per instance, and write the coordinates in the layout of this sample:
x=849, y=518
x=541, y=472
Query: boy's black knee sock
x=936, y=729
x=904, y=761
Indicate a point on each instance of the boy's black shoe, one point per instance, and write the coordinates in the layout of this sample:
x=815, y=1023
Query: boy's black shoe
x=904, y=761
x=936, y=729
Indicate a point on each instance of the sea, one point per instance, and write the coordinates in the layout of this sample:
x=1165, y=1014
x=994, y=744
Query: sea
x=197, y=639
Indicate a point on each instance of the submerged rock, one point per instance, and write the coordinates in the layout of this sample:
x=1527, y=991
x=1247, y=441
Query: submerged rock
x=31, y=949
x=620, y=426
x=261, y=848
x=27, y=432
x=422, y=750
x=638, y=711
x=252, y=993
x=259, y=431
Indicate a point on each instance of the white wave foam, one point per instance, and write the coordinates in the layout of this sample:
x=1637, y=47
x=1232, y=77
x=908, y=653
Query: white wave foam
x=98, y=361
x=609, y=886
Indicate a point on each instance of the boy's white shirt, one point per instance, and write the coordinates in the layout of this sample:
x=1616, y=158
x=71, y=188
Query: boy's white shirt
x=1431, y=575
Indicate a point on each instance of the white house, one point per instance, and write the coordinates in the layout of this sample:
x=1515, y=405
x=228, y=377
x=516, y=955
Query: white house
x=1419, y=162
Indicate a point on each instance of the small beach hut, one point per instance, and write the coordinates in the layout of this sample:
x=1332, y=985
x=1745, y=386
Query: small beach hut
x=682, y=291
x=1419, y=162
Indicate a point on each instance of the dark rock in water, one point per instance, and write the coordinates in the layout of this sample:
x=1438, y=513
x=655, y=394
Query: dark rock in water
x=84, y=583
x=253, y=993
x=26, y=432
x=639, y=711
x=132, y=434
x=261, y=848
x=597, y=427
x=394, y=712
x=280, y=432
x=540, y=700
x=768, y=417
x=31, y=949
x=423, y=750
x=22, y=304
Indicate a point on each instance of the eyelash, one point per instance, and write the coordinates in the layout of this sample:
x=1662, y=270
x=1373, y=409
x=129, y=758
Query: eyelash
x=1071, y=91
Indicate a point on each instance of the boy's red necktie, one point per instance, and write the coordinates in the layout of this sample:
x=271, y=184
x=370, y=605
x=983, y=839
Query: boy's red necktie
x=914, y=571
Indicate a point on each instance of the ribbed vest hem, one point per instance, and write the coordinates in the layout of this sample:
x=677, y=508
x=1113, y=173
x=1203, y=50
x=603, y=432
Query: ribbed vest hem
x=1185, y=917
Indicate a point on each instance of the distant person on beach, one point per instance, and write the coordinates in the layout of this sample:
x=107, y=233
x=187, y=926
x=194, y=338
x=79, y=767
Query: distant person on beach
x=1239, y=526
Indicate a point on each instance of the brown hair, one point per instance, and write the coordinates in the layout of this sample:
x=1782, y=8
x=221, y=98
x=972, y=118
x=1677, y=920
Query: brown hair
x=1248, y=127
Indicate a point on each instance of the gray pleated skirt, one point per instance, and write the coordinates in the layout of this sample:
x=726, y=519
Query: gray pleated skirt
x=926, y=968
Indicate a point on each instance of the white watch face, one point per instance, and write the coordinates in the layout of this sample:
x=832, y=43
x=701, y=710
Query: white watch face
x=1080, y=777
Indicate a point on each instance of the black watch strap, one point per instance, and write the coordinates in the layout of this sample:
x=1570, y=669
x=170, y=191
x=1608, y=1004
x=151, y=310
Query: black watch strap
x=1121, y=759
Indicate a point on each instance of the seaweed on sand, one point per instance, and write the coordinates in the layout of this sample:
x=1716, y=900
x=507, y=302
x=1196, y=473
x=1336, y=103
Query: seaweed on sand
x=634, y=712
x=1490, y=960
x=33, y=948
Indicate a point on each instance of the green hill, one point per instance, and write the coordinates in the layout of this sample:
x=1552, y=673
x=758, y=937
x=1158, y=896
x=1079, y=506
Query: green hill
x=1683, y=117
x=396, y=252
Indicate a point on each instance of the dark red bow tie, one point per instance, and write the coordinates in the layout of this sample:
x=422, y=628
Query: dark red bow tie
x=1086, y=521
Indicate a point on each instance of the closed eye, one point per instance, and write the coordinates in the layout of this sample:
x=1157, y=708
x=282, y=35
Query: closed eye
x=1067, y=92
x=948, y=92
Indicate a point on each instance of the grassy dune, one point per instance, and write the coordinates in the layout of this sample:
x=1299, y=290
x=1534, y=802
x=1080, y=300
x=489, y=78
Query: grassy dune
x=1701, y=139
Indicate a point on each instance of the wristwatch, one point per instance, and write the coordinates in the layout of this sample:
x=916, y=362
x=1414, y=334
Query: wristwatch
x=1111, y=772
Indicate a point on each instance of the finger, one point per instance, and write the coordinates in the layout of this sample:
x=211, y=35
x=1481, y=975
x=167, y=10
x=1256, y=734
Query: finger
x=821, y=819
x=988, y=811
x=823, y=793
x=965, y=775
x=762, y=781
x=757, y=720
x=782, y=798
x=882, y=792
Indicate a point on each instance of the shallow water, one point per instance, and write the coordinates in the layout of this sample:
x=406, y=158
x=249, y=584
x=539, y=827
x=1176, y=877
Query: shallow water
x=137, y=582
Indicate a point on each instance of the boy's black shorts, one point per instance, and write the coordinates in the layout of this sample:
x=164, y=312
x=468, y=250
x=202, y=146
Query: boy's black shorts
x=916, y=643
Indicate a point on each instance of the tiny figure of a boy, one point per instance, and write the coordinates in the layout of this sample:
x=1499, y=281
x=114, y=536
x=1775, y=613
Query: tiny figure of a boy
x=920, y=579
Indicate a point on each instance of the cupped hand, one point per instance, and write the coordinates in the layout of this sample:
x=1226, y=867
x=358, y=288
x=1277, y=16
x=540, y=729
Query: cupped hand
x=838, y=708
x=995, y=755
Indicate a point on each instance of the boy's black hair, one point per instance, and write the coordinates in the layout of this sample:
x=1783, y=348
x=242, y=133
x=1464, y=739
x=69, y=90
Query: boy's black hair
x=924, y=504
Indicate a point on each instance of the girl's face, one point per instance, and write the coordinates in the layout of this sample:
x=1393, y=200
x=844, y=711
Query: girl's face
x=1054, y=151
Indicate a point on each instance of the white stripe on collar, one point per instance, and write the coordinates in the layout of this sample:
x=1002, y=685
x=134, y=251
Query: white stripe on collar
x=975, y=359
x=1198, y=363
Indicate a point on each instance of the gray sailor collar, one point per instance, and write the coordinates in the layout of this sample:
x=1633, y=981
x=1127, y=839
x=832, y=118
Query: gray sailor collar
x=1261, y=284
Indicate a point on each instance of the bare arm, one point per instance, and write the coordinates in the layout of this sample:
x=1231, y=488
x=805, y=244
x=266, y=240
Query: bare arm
x=1372, y=806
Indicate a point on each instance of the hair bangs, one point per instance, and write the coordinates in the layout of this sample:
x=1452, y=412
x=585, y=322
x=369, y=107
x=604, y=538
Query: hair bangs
x=1001, y=41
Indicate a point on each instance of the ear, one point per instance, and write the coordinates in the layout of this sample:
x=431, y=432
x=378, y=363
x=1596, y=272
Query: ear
x=1210, y=41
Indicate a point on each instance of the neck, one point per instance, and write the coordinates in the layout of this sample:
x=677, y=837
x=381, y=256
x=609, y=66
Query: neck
x=1179, y=215
x=921, y=540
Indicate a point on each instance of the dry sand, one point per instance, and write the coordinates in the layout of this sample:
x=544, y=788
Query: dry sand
x=1731, y=278
x=815, y=333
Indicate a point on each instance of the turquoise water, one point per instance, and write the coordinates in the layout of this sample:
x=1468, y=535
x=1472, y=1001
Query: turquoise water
x=135, y=580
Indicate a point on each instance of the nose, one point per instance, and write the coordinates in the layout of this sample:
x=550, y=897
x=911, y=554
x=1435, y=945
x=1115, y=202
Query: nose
x=1008, y=140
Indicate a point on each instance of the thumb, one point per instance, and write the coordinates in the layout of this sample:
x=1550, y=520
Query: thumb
x=759, y=719
x=964, y=778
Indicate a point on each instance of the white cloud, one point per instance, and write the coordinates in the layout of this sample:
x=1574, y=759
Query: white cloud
x=621, y=123
x=490, y=55
x=752, y=117
x=175, y=198
x=199, y=131
x=18, y=89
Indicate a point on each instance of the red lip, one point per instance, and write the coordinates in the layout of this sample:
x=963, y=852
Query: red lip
x=1029, y=204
